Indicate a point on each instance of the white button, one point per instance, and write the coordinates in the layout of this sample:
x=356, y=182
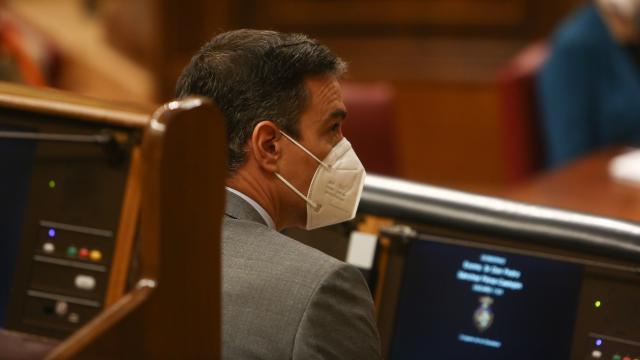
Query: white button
x=596, y=354
x=61, y=308
x=74, y=318
x=48, y=247
x=85, y=282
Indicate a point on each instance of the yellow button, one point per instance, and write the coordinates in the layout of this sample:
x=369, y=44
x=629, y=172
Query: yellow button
x=95, y=255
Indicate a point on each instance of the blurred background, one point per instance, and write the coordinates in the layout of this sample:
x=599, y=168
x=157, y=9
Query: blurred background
x=440, y=72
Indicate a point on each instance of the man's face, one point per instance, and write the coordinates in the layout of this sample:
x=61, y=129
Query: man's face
x=320, y=128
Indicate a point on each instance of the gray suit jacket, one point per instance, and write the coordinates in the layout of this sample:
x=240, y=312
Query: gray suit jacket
x=285, y=300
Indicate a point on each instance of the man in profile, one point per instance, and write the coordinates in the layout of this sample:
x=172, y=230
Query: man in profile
x=288, y=166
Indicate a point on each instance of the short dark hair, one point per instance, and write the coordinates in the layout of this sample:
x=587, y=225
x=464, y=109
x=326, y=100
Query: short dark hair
x=253, y=75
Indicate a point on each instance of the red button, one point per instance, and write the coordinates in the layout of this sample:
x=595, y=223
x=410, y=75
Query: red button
x=84, y=252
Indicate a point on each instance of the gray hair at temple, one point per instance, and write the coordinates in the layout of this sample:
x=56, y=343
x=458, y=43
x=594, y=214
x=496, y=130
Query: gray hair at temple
x=256, y=75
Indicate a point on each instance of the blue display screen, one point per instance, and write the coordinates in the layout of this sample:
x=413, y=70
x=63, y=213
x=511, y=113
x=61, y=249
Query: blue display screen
x=15, y=179
x=460, y=302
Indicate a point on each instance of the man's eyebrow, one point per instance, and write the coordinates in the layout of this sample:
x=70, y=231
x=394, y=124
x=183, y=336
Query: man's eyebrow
x=342, y=114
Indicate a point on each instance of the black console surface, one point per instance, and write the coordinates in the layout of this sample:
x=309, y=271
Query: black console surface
x=62, y=184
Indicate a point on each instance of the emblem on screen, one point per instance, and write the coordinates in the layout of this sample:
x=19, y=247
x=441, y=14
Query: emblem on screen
x=483, y=316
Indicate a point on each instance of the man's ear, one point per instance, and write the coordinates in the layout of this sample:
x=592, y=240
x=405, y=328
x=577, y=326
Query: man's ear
x=264, y=145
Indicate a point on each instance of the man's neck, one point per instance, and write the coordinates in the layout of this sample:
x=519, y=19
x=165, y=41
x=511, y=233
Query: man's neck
x=251, y=187
x=263, y=214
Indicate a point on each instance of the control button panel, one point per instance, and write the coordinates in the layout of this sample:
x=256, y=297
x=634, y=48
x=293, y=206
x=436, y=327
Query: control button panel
x=74, y=242
x=64, y=209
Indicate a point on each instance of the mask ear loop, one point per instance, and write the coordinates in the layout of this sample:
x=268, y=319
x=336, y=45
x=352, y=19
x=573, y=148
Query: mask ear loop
x=326, y=166
x=313, y=204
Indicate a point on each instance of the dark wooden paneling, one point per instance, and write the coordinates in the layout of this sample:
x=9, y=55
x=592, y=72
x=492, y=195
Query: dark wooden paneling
x=448, y=134
x=438, y=54
x=432, y=59
x=405, y=13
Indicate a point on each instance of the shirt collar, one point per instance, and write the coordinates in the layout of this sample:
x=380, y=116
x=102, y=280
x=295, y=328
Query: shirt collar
x=263, y=213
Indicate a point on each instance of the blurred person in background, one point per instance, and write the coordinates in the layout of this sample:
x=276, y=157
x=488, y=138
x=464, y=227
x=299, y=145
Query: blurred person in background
x=589, y=88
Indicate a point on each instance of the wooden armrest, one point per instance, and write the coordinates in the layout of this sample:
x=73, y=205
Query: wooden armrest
x=106, y=321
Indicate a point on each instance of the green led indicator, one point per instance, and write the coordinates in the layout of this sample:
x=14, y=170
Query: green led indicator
x=72, y=251
x=598, y=303
x=52, y=184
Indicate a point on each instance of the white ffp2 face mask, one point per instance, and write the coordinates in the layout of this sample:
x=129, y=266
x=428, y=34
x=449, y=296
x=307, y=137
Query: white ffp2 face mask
x=336, y=187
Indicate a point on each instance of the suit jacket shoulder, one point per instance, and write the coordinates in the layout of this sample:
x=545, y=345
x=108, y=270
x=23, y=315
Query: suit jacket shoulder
x=283, y=299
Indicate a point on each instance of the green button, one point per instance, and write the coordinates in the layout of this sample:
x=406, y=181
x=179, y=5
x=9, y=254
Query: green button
x=616, y=357
x=72, y=251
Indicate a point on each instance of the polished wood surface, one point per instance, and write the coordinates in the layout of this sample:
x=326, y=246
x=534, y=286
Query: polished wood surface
x=174, y=311
x=61, y=103
x=127, y=229
x=584, y=186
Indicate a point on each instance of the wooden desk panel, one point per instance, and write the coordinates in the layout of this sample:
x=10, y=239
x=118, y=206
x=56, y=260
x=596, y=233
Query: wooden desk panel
x=584, y=186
